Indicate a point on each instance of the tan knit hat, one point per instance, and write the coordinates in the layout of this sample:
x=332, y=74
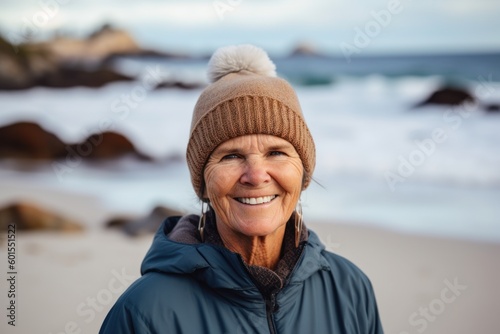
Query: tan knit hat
x=245, y=97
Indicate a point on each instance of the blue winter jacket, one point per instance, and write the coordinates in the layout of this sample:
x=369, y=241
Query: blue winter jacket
x=203, y=288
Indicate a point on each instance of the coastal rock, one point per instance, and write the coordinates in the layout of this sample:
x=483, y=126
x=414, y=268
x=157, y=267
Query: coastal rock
x=29, y=217
x=145, y=54
x=72, y=77
x=107, y=145
x=492, y=108
x=27, y=140
x=100, y=44
x=143, y=225
x=179, y=84
x=64, y=62
x=448, y=96
x=27, y=66
x=305, y=49
x=22, y=65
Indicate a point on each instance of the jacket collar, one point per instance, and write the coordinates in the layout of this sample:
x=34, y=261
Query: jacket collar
x=216, y=266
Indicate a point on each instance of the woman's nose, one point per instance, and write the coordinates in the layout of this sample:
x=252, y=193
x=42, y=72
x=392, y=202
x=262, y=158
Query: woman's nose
x=255, y=173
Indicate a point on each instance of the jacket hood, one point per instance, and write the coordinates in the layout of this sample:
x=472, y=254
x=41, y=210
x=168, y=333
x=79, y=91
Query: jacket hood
x=217, y=266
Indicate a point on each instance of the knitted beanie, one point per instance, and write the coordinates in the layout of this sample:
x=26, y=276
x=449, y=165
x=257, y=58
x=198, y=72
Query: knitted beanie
x=245, y=97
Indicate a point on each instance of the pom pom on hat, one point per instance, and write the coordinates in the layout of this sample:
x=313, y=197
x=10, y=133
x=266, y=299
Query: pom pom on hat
x=236, y=58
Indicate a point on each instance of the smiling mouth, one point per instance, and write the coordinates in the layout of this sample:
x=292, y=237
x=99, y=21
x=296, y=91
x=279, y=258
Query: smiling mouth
x=256, y=200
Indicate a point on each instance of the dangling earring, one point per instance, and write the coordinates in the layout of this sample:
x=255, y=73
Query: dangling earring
x=298, y=223
x=201, y=222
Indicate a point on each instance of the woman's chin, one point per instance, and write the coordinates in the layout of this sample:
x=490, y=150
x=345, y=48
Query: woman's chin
x=259, y=228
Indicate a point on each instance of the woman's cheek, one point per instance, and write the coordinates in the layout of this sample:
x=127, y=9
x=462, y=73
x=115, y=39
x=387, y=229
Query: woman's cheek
x=291, y=172
x=219, y=180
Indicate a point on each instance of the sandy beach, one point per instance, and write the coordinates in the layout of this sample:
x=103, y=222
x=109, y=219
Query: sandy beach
x=66, y=283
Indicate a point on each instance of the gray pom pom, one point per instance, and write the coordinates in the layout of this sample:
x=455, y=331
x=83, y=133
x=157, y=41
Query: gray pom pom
x=237, y=58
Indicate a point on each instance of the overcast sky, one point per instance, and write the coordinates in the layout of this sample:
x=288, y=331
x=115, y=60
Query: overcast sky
x=368, y=26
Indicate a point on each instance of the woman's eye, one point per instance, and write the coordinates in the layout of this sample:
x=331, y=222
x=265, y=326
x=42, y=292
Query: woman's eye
x=276, y=153
x=230, y=156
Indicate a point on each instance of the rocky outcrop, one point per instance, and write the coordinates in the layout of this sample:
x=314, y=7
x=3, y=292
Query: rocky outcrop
x=134, y=226
x=29, y=217
x=22, y=65
x=64, y=62
x=27, y=66
x=448, y=96
x=305, y=49
x=95, y=48
x=179, y=85
x=26, y=140
x=107, y=145
x=492, y=108
x=73, y=77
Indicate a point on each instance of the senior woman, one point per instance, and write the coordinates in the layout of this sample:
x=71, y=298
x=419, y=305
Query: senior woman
x=247, y=264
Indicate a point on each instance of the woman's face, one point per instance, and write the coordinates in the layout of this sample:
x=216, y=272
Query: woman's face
x=253, y=183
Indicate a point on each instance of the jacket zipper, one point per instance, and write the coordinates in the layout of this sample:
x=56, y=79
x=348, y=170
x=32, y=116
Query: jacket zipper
x=270, y=305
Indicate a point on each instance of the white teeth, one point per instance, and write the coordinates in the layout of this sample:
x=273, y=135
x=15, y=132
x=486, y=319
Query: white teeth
x=256, y=200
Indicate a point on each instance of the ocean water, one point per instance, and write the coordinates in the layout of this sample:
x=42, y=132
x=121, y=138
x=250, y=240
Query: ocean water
x=380, y=162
